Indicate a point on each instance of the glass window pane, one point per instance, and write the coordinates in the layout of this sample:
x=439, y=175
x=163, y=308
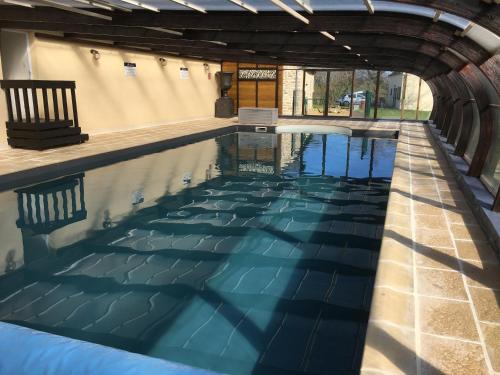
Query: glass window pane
x=339, y=91
x=474, y=137
x=491, y=170
x=363, y=101
x=315, y=92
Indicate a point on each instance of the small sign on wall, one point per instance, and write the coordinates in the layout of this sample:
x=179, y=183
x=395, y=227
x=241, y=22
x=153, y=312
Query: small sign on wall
x=130, y=69
x=184, y=73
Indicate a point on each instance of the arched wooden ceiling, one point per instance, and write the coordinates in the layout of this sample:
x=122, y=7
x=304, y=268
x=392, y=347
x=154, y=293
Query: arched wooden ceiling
x=387, y=40
x=484, y=13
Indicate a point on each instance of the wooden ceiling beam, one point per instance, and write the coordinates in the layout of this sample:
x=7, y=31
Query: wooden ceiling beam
x=291, y=50
x=299, y=42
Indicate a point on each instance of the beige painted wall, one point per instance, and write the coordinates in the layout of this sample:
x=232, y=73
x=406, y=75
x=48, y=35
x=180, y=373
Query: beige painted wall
x=426, y=100
x=110, y=101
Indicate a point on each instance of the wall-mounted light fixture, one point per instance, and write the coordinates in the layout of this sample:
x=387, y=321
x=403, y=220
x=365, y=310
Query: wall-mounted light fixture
x=162, y=61
x=95, y=54
x=206, y=67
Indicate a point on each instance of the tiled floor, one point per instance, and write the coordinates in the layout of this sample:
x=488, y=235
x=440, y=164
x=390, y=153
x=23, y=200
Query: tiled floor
x=436, y=302
x=437, y=294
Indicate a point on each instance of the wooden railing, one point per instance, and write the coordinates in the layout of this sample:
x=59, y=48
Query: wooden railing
x=41, y=114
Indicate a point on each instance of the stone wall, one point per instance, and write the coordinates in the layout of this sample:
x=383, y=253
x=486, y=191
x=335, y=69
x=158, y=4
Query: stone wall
x=292, y=82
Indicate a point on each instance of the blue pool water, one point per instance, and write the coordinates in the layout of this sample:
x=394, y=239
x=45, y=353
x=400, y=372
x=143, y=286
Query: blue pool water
x=243, y=254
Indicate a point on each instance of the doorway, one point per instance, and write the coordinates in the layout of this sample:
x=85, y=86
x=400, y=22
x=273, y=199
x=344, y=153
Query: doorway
x=16, y=62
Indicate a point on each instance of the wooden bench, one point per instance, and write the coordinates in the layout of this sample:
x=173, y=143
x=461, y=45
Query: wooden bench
x=37, y=127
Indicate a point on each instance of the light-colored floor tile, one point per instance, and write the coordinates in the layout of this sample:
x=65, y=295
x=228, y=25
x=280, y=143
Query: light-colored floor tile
x=479, y=251
x=492, y=341
x=447, y=318
x=444, y=356
x=487, y=304
x=444, y=284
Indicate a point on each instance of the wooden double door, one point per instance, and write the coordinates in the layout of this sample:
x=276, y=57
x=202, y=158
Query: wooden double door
x=261, y=92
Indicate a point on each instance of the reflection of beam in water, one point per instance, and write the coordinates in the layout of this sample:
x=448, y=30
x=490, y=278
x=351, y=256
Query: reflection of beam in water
x=348, y=156
x=372, y=152
x=323, y=158
x=40, y=209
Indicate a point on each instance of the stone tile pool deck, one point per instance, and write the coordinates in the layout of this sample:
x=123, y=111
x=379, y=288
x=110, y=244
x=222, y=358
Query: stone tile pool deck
x=435, y=307
x=437, y=293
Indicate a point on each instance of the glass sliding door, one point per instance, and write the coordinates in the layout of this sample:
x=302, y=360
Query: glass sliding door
x=389, y=95
x=315, y=85
x=363, y=100
x=339, y=93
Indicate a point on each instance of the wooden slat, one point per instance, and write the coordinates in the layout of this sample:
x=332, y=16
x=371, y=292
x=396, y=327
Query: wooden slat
x=8, y=98
x=35, y=105
x=18, y=105
x=247, y=94
x=267, y=94
x=65, y=104
x=45, y=105
x=55, y=103
x=26, y=106
x=73, y=103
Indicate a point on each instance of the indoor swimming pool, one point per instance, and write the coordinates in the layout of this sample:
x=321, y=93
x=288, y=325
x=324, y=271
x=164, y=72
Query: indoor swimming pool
x=246, y=253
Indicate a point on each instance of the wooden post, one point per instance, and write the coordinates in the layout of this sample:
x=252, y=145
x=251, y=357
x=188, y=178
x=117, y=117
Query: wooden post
x=403, y=96
x=418, y=97
x=303, y=91
x=352, y=93
x=327, y=94
x=375, y=110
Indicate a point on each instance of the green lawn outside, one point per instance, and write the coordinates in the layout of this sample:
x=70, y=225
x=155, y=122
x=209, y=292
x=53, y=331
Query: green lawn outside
x=382, y=113
x=395, y=113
